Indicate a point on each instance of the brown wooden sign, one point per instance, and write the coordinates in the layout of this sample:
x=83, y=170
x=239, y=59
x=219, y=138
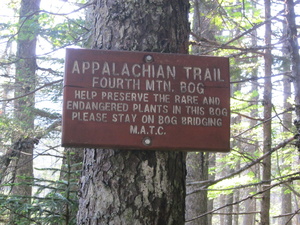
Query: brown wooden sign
x=141, y=100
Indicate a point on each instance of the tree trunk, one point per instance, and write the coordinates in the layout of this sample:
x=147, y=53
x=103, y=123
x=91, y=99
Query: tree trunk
x=210, y=204
x=226, y=200
x=286, y=202
x=24, y=85
x=222, y=202
x=203, y=29
x=196, y=203
x=22, y=179
x=236, y=208
x=25, y=78
x=198, y=163
x=250, y=204
x=132, y=187
x=69, y=176
x=266, y=166
x=293, y=48
x=135, y=187
x=229, y=209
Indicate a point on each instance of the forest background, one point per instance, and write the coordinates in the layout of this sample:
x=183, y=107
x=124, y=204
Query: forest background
x=257, y=182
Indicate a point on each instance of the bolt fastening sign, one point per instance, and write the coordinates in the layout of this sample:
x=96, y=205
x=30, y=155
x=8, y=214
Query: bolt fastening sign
x=146, y=101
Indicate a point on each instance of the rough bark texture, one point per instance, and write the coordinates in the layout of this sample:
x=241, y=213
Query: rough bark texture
x=132, y=187
x=135, y=187
x=155, y=26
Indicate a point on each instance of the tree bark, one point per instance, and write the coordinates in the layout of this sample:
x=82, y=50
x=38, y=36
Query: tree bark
x=266, y=166
x=229, y=209
x=250, y=204
x=160, y=26
x=286, y=198
x=135, y=187
x=203, y=29
x=226, y=200
x=24, y=84
x=22, y=178
x=69, y=175
x=293, y=48
x=196, y=203
x=25, y=78
x=286, y=202
x=132, y=187
x=198, y=163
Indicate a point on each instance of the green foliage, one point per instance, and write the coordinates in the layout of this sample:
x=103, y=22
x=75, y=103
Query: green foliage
x=64, y=33
x=231, y=23
x=54, y=201
x=237, y=35
x=28, y=28
x=228, y=186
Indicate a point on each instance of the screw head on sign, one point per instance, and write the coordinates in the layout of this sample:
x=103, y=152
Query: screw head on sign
x=147, y=141
x=149, y=58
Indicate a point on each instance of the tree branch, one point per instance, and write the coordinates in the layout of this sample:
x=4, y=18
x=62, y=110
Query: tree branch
x=248, y=117
x=32, y=92
x=256, y=125
x=242, y=200
x=288, y=73
x=208, y=183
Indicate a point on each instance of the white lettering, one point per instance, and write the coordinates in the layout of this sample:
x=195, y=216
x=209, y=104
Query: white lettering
x=191, y=88
x=217, y=111
x=134, y=73
x=75, y=67
x=199, y=121
x=95, y=67
x=85, y=66
x=89, y=116
x=211, y=101
x=186, y=99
